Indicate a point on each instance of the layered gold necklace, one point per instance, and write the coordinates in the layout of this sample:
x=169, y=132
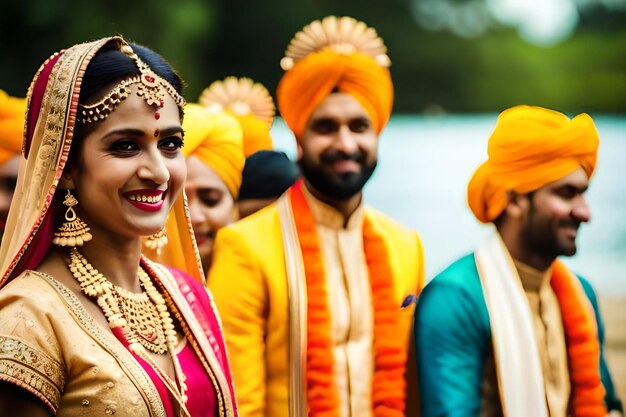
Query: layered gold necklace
x=143, y=317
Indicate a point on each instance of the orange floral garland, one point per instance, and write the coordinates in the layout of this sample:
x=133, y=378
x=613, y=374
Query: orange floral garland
x=583, y=348
x=388, y=386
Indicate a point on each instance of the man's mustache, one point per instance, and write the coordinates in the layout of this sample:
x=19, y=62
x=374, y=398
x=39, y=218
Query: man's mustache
x=335, y=156
x=574, y=224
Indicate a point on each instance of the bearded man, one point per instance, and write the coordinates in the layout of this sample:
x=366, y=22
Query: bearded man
x=509, y=329
x=316, y=291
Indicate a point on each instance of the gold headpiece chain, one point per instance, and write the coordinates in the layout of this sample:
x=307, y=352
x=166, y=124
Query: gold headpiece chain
x=149, y=86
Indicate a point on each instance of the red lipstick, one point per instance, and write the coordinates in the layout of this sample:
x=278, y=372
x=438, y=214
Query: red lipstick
x=147, y=200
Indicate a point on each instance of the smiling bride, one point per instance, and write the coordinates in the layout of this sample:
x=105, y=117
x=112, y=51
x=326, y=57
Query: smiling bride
x=88, y=324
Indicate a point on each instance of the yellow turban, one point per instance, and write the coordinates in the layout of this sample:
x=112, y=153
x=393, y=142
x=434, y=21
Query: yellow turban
x=529, y=148
x=250, y=103
x=12, y=115
x=312, y=79
x=256, y=134
x=216, y=139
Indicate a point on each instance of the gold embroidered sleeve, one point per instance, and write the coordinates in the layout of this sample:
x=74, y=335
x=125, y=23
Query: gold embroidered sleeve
x=32, y=370
x=31, y=355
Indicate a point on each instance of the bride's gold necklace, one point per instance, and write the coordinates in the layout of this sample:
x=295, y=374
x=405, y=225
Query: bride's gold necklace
x=144, y=317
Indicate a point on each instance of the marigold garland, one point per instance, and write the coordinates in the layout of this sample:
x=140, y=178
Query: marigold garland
x=583, y=348
x=388, y=386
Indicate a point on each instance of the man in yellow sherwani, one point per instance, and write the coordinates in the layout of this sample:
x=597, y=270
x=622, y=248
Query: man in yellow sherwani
x=316, y=291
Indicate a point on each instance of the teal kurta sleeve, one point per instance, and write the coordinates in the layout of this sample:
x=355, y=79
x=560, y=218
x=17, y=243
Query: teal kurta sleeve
x=452, y=341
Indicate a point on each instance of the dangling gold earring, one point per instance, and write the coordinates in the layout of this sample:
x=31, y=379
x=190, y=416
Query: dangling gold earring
x=74, y=231
x=157, y=241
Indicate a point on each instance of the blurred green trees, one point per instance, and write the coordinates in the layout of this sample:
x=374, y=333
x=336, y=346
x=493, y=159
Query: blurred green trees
x=433, y=71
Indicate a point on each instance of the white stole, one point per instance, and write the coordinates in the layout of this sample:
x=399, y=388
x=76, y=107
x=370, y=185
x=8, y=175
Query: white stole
x=518, y=366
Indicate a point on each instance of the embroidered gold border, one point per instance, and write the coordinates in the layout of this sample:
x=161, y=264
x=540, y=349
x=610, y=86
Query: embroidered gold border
x=297, y=299
x=32, y=370
x=213, y=367
x=55, y=127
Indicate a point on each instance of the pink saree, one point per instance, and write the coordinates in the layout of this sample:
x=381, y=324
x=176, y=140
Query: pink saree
x=202, y=396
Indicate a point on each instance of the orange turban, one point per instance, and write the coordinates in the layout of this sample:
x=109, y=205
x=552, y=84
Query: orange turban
x=529, y=148
x=216, y=139
x=312, y=79
x=12, y=115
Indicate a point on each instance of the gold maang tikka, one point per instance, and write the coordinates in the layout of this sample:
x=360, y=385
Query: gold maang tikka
x=149, y=86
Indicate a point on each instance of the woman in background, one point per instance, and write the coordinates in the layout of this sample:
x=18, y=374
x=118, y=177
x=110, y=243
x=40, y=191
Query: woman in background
x=231, y=122
x=214, y=154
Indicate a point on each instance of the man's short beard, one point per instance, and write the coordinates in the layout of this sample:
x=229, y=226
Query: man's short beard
x=336, y=186
x=542, y=239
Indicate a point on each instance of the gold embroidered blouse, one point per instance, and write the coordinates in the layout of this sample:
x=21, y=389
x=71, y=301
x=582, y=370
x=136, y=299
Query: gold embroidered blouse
x=52, y=348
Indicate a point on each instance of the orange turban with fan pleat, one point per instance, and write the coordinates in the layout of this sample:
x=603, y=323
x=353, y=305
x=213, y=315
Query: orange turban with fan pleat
x=216, y=139
x=530, y=148
x=313, y=78
x=12, y=115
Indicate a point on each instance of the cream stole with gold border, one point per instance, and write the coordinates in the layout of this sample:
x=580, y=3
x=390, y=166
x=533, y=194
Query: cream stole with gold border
x=518, y=366
x=297, y=302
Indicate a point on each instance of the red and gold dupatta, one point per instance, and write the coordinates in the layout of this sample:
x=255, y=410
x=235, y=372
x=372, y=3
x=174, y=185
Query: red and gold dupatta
x=50, y=122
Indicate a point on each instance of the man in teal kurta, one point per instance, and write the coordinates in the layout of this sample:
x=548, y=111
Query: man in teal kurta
x=532, y=189
x=453, y=341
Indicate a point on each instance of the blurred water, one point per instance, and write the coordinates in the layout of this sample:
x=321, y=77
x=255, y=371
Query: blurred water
x=426, y=162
